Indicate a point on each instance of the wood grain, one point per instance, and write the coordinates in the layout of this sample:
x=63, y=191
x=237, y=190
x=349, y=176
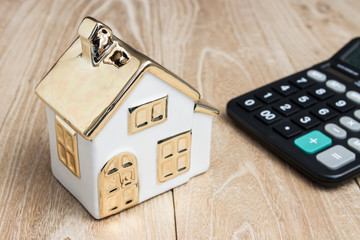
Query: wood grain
x=223, y=48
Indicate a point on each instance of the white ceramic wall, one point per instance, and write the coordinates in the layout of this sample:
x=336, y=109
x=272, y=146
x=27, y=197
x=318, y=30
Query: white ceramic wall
x=201, y=143
x=114, y=139
x=83, y=188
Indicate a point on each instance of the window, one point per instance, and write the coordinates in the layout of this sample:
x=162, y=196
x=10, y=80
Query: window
x=147, y=115
x=67, y=146
x=173, y=156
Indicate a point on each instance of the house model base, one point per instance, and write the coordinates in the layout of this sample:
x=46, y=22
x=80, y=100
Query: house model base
x=122, y=128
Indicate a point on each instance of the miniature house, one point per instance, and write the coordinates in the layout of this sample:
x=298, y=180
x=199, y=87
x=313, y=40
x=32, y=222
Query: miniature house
x=122, y=128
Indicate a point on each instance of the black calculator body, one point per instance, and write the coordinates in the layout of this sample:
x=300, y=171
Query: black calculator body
x=310, y=118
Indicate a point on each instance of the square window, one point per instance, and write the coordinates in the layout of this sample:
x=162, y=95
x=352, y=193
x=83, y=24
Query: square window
x=141, y=119
x=147, y=115
x=167, y=168
x=61, y=153
x=168, y=150
x=67, y=146
x=173, y=156
x=59, y=133
x=182, y=163
x=157, y=112
x=70, y=161
x=182, y=145
x=69, y=142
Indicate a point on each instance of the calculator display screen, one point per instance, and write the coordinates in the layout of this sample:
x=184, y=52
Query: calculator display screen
x=339, y=74
x=353, y=57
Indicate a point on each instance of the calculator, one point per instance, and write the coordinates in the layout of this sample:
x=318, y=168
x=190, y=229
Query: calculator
x=311, y=118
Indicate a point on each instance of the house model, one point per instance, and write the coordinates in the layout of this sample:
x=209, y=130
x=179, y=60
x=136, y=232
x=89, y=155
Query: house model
x=122, y=128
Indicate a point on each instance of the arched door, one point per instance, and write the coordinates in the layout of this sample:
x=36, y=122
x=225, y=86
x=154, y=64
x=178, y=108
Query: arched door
x=118, y=184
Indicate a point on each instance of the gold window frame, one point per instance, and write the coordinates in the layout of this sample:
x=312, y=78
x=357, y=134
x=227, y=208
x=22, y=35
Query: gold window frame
x=67, y=146
x=173, y=156
x=147, y=115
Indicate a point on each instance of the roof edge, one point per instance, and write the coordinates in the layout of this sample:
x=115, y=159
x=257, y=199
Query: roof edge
x=203, y=107
x=173, y=80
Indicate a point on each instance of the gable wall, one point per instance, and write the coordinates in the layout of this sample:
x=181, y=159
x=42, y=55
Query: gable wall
x=114, y=138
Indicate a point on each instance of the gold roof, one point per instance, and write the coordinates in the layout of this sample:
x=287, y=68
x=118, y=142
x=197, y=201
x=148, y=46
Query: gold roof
x=94, y=76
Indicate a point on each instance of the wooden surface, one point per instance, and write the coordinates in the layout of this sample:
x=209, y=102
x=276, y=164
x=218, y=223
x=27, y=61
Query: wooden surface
x=222, y=48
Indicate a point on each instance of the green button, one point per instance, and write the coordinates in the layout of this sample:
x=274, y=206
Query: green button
x=313, y=142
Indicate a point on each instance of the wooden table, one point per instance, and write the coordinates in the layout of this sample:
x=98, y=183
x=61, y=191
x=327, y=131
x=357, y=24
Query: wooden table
x=222, y=48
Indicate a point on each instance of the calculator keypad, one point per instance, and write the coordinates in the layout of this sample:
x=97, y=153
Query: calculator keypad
x=306, y=121
x=336, y=86
x=250, y=104
x=302, y=82
x=316, y=75
x=350, y=123
x=313, y=112
x=286, y=108
x=324, y=113
x=303, y=100
x=320, y=93
x=353, y=96
x=287, y=129
x=341, y=104
x=313, y=142
x=336, y=157
x=357, y=114
x=354, y=143
x=267, y=96
x=267, y=116
x=285, y=89
x=335, y=131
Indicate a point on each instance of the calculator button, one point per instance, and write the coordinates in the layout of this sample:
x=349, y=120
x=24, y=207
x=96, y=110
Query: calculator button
x=287, y=129
x=335, y=131
x=267, y=96
x=341, y=105
x=302, y=82
x=286, y=108
x=316, y=75
x=306, y=121
x=336, y=157
x=313, y=142
x=320, y=93
x=357, y=114
x=350, y=124
x=303, y=100
x=267, y=116
x=285, y=89
x=336, y=86
x=354, y=143
x=324, y=113
x=353, y=96
x=250, y=104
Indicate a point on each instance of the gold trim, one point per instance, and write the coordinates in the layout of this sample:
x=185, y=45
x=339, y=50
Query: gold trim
x=147, y=115
x=118, y=184
x=85, y=96
x=67, y=147
x=173, y=156
x=203, y=107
